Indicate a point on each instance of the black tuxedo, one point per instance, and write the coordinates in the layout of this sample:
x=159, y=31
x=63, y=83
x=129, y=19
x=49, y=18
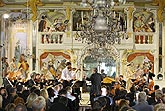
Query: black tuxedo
x=150, y=76
x=62, y=103
x=95, y=79
x=95, y=89
x=30, y=83
x=123, y=83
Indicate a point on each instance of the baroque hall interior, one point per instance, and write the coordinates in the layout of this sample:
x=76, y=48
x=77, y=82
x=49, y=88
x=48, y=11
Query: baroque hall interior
x=32, y=29
x=42, y=35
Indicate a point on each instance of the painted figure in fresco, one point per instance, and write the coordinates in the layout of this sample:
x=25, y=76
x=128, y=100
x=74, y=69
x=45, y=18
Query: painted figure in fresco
x=13, y=70
x=23, y=66
x=51, y=68
x=139, y=70
x=5, y=66
x=130, y=70
x=130, y=74
x=61, y=67
x=60, y=26
x=122, y=23
x=13, y=65
x=151, y=24
x=17, y=51
x=44, y=69
x=139, y=24
x=42, y=24
x=45, y=72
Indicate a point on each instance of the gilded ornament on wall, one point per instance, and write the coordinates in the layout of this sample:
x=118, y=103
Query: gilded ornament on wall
x=33, y=5
x=1, y=3
x=161, y=6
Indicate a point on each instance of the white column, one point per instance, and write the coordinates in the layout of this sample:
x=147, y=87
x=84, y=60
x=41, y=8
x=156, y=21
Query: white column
x=119, y=64
x=37, y=48
x=30, y=41
x=163, y=49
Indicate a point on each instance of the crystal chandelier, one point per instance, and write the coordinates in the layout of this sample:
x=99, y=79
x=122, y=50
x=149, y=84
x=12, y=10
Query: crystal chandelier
x=104, y=27
x=107, y=55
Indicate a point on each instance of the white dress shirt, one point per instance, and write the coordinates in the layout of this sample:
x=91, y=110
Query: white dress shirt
x=66, y=74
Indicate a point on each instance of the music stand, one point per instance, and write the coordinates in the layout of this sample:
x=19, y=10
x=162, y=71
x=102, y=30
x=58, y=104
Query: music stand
x=76, y=88
x=78, y=84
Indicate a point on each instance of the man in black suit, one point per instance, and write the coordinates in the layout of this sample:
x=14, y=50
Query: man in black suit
x=31, y=81
x=122, y=81
x=62, y=103
x=148, y=74
x=95, y=79
x=142, y=103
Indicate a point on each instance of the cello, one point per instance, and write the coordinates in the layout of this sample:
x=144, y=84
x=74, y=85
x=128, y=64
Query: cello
x=150, y=86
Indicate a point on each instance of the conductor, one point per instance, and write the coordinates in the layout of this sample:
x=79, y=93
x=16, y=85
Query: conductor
x=95, y=79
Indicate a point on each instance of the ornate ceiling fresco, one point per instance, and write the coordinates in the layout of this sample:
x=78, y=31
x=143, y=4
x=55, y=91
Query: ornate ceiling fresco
x=160, y=4
x=59, y=1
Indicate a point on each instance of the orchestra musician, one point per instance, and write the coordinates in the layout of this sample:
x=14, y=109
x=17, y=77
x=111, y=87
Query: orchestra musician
x=122, y=81
x=37, y=79
x=31, y=82
x=67, y=75
x=149, y=75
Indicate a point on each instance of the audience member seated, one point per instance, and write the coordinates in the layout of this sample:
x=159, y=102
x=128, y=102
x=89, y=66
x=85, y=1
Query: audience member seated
x=159, y=107
x=12, y=95
x=122, y=103
x=51, y=96
x=29, y=101
x=62, y=103
x=163, y=90
x=10, y=107
x=1, y=99
x=20, y=107
x=131, y=96
x=158, y=97
x=39, y=104
x=44, y=93
x=142, y=103
x=19, y=100
x=105, y=95
x=99, y=104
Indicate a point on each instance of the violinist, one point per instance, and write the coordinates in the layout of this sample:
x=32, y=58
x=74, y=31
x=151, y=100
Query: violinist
x=67, y=75
x=43, y=81
x=122, y=81
x=37, y=79
x=148, y=74
x=136, y=82
x=31, y=82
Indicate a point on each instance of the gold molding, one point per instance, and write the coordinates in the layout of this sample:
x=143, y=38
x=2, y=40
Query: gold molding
x=161, y=6
x=130, y=11
x=33, y=5
x=2, y=3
